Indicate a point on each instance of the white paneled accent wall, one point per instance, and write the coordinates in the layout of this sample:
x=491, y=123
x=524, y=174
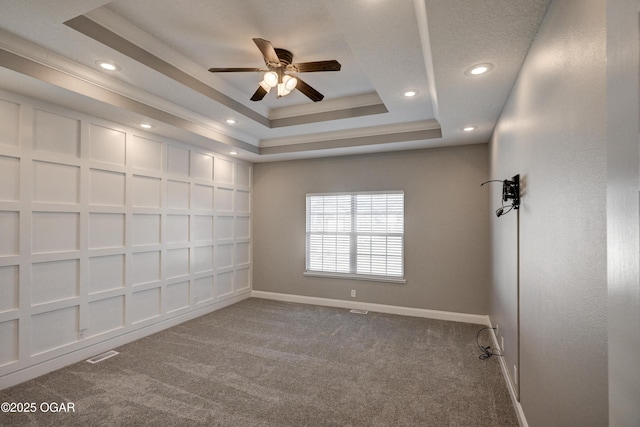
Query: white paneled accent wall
x=107, y=230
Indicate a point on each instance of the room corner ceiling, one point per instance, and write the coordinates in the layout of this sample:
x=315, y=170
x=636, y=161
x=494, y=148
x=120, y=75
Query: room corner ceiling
x=163, y=50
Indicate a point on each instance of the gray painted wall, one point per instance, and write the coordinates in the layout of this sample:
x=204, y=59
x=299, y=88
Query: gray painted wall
x=553, y=132
x=446, y=226
x=623, y=219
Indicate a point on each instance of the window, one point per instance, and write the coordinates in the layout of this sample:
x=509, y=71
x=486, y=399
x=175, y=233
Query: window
x=358, y=235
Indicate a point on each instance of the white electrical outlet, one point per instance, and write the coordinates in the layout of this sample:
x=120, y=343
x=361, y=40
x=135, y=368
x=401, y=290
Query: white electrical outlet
x=353, y=293
x=502, y=343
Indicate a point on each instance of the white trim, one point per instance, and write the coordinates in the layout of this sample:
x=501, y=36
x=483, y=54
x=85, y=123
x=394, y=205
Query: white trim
x=479, y=319
x=522, y=420
x=60, y=362
x=353, y=276
x=351, y=193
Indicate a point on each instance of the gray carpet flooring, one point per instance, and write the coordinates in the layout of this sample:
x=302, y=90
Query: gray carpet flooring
x=268, y=363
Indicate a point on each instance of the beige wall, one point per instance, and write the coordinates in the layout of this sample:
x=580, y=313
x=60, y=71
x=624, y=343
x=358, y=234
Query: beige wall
x=446, y=217
x=553, y=133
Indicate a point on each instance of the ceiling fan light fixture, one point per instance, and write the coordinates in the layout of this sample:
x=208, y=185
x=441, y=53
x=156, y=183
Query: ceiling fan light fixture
x=289, y=82
x=282, y=90
x=271, y=78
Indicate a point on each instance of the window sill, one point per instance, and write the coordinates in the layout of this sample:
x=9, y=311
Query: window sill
x=354, y=277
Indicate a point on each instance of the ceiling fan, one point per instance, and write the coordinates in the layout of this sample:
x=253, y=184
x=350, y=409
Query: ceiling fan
x=279, y=64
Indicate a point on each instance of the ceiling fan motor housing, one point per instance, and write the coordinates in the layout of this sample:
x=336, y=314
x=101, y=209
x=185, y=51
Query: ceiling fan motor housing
x=284, y=55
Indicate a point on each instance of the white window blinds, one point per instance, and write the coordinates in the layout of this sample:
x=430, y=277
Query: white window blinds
x=358, y=234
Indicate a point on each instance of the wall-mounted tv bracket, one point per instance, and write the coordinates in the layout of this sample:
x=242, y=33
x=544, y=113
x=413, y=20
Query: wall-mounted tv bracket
x=510, y=192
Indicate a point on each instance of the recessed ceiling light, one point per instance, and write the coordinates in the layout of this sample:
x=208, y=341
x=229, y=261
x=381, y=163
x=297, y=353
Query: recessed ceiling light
x=410, y=93
x=469, y=128
x=233, y=153
x=145, y=126
x=231, y=121
x=478, y=69
x=108, y=66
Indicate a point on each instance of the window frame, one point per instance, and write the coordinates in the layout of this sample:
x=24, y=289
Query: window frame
x=353, y=238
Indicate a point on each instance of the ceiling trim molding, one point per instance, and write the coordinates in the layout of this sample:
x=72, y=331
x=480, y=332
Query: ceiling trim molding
x=78, y=85
x=425, y=43
x=354, y=142
x=90, y=28
x=346, y=113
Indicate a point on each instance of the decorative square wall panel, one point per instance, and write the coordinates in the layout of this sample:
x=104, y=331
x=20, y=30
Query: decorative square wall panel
x=177, y=161
x=146, y=192
x=176, y=263
x=106, y=273
x=54, y=281
x=146, y=229
x=9, y=282
x=243, y=201
x=201, y=166
x=242, y=253
x=106, y=230
x=224, y=199
x=203, y=289
x=243, y=175
x=106, y=188
x=145, y=305
x=177, y=296
x=10, y=232
x=203, y=197
x=203, y=228
x=224, y=227
x=10, y=178
x=56, y=183
x=9, y=340
x=243, y=227
x=177, y=194
x=224, y=284
x=177, y=228
x=242, y=280
x=55, y=232
x=54, y=329
x=203, y=259
x=224, y=256
x=9, y=123
x=223, y=171
x=57, y=134
x=146, y=154
x=105, y=315
x=107, y=145
x=145, y=267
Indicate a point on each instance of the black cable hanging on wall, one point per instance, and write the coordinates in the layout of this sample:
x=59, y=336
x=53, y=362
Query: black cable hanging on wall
x=510, y=191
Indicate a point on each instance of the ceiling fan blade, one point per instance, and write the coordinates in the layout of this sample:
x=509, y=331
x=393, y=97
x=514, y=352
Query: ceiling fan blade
x=310, y=92
x=306, y=67
x=259, y=94
x=267, y=50
x=235, y=70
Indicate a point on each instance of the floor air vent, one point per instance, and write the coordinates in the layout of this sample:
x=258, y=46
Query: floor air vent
x=103, y=356
x=358, y=311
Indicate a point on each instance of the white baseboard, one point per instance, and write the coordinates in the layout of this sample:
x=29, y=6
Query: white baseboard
x=379, y=308
x=84, y=353
x=507, y=379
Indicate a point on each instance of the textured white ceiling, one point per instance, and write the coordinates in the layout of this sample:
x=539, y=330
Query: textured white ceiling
x=385, y=48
